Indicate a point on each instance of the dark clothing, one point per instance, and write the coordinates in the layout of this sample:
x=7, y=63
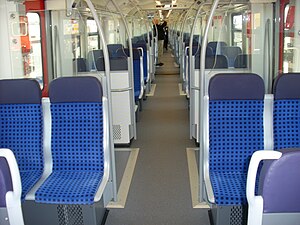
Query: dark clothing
x=166, y=38
x=160, y=30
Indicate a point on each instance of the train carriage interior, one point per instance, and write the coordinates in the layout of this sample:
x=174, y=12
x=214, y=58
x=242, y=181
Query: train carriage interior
x=150, y=112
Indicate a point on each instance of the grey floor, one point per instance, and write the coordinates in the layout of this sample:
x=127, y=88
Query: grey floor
x=160, y=191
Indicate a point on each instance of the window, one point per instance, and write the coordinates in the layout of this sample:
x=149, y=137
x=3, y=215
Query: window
x=237, y=28
x=290, y=61
x=32, y=48
x=93, y=36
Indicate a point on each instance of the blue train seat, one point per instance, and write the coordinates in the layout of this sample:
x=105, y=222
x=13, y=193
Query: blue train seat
x=137, y=72
x=216, y=62
x=241, y=61
x=286, y=111
x=143, y=45
x=79, y=65
x=10, y=189
x=92, y=58
x=114, y=50
x=21, y=129
x=209, y=53
x=116, y=63
x=231, y=52
x=77, y=142
x=277, y=200
x=216, y=46
x=235, y=129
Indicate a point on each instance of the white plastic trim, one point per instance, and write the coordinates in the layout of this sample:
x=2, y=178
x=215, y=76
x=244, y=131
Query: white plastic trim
x=255, y=210
x=106, y=149
x=48, y=162
x=208, y=186
x=148, y=62
x=185, y=51
x=142, y=73
x=268, y=122
x=13, y=198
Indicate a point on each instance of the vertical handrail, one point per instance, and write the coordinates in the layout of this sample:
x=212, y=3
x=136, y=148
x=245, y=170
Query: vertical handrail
x=107, y=74
x=267, y=58
x=57, y=53
x=202, y=94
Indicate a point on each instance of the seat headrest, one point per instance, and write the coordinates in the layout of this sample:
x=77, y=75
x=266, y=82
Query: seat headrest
x=236, y=86
x=20, y=91
x=286, y=86
x=75, y=89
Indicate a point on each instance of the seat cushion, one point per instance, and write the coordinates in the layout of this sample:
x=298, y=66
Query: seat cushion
x=69, y=187
x=229, y=187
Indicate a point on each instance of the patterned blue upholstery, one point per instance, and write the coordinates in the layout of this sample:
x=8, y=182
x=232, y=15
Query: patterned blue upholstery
x=21, y=127
x=286, y=111
x=286, y=124
x=235, y=132
x=77, y=144
x=136, y=73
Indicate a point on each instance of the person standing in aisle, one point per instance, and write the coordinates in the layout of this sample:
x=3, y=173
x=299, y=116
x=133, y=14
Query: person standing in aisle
x=161, y=38
x=166, y=29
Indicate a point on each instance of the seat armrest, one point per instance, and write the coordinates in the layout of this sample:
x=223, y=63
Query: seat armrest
x=208, y=186
x=106, y=149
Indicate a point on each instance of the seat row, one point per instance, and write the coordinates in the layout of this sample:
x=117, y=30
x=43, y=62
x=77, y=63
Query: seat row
x=118, y=61
x=240, y=120
x=60, y=144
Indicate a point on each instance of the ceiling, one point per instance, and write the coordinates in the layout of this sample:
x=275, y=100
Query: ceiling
x=150, y=7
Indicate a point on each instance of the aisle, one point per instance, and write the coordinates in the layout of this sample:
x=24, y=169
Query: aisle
x=160, y=191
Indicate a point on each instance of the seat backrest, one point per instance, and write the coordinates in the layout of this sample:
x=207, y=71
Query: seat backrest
x=216, y=62
x=92, y=58
x=286, y=111
x=216, y=46
x=145, y=60
x=241, y=61
x=231, y=52
x=209, y=55
x=21, y=129
x=80, y=65
x=281, y=183
x=115, y=50
x=77, y=124
x=236, y=107
x=116, y=64
x=136, y=70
